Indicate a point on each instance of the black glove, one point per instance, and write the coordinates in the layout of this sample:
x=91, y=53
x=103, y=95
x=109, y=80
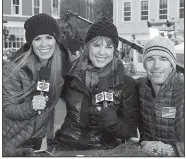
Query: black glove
x=108, y=117
x=23, y=152
x=94, y=117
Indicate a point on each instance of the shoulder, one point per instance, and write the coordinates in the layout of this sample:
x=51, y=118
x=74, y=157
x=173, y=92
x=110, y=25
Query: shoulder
x=11, y=71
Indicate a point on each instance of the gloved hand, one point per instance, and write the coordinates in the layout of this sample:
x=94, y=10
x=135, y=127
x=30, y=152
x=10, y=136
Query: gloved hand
x=108, y=117
x=104, y=117
x=95, y=115
x=157, y=148
x=23, y=152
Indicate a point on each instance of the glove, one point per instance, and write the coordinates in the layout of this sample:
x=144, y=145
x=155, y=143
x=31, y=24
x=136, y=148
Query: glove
x=108, y=117
x=105, y=116
x=94, y=116
x=157, y=148
x=23, y=152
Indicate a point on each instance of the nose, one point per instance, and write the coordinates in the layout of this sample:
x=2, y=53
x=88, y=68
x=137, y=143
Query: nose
x=156, y=63
x=43, y=42
x=101, y=51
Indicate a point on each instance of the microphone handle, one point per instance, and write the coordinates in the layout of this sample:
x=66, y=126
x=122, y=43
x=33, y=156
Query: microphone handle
x=105, y=104
x=41, y=93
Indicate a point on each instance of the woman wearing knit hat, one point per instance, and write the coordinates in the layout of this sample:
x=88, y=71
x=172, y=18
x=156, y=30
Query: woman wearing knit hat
x=25, y=112
x=102, y=106
x=161, y=96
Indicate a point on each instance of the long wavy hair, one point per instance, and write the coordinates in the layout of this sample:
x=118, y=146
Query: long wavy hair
x=30, y=60
x=84, y=62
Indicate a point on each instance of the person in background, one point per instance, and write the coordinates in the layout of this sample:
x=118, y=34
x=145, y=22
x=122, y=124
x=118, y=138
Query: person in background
x=92, y=121
x=161, y=96
x=25, y=112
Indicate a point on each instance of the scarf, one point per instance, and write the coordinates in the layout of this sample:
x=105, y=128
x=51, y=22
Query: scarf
x=93, y=74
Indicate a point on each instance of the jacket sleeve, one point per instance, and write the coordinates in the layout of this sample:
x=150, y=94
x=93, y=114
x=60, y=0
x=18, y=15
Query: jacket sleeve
x=180, y=121
x=128, y=113
x=13, y=108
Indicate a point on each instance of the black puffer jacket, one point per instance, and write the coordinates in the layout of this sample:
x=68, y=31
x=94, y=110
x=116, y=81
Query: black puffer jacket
x=77, y=133
x=162, y=117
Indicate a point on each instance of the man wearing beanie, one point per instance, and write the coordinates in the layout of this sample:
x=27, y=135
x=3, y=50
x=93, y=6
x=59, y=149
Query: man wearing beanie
x=161, y=96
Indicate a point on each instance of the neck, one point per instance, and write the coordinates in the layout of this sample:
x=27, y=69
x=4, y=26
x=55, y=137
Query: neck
x=156, y=88
x=44, y=63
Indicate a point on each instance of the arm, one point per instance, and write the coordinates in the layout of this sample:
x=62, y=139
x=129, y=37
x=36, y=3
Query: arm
x=180, y=123
x=14, y=108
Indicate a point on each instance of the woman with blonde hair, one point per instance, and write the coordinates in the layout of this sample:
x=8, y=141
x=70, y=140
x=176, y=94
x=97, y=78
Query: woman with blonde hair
x=26, y=111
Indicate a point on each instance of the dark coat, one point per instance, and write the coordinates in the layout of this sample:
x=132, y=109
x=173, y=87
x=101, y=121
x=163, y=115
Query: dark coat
x=77, y=132
x=157, y=121
x=20, y=121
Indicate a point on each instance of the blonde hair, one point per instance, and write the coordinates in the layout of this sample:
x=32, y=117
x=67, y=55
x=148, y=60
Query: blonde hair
x=84, y=60
x=30, y=60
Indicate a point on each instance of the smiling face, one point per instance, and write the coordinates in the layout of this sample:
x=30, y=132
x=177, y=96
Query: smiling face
x=158, y=69
x=101, y=51
x=44, y=46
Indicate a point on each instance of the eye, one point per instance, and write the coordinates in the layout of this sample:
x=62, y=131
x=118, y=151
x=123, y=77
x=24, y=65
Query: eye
x=150, y=59
x=164, y=59
x=109, y=46
x=96, y=45
x=49, y=37
x=37, y=38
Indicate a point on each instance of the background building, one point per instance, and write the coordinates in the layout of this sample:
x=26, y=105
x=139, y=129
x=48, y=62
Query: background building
x=16, y=12
x=131, y=17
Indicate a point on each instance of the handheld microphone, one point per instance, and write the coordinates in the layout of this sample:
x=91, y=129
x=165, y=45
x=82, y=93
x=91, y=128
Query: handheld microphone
x=43, y=85
x=104, y=96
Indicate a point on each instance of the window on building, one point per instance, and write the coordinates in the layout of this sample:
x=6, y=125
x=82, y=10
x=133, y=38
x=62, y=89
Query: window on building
x=16, y=7
x=36, y=7
x=163, y=9
x=127, y=11
x=144, y=10
x=18, y=32
x=56, y=8
x=182, y=9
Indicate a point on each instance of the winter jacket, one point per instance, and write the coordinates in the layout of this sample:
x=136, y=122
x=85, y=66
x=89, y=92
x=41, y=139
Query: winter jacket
x=162, y=117
x=77, y=132
x=20, y=121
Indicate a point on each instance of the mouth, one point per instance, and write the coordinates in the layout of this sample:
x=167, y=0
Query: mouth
x=44, y=50
x=100, y=58
x=157, y=73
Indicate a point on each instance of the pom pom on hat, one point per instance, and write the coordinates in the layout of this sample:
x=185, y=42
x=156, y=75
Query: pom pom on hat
x=41, y=24
x=103, y=27
x=161, y=46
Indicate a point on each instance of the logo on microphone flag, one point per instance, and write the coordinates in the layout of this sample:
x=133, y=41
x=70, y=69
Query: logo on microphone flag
x=43, y=86
x=99, y=97
x=109, y=96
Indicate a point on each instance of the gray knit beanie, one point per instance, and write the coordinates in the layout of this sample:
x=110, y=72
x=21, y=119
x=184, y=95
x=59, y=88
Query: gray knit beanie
x=162, y=46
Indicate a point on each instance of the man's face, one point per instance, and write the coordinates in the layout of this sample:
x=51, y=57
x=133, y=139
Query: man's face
x=158, y=69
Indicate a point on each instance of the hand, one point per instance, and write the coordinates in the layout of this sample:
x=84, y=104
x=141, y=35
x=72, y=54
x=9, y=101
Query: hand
x=39, y=102
x=157, y=148
x=95, y=115
x=108, y=117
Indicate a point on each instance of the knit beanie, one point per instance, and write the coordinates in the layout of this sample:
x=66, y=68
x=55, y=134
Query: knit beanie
x=103, y=27
x=161, y=46
x=41, y=24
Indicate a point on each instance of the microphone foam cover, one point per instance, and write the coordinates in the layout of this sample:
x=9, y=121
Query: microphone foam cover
x=103, y=85
x=44, y=73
